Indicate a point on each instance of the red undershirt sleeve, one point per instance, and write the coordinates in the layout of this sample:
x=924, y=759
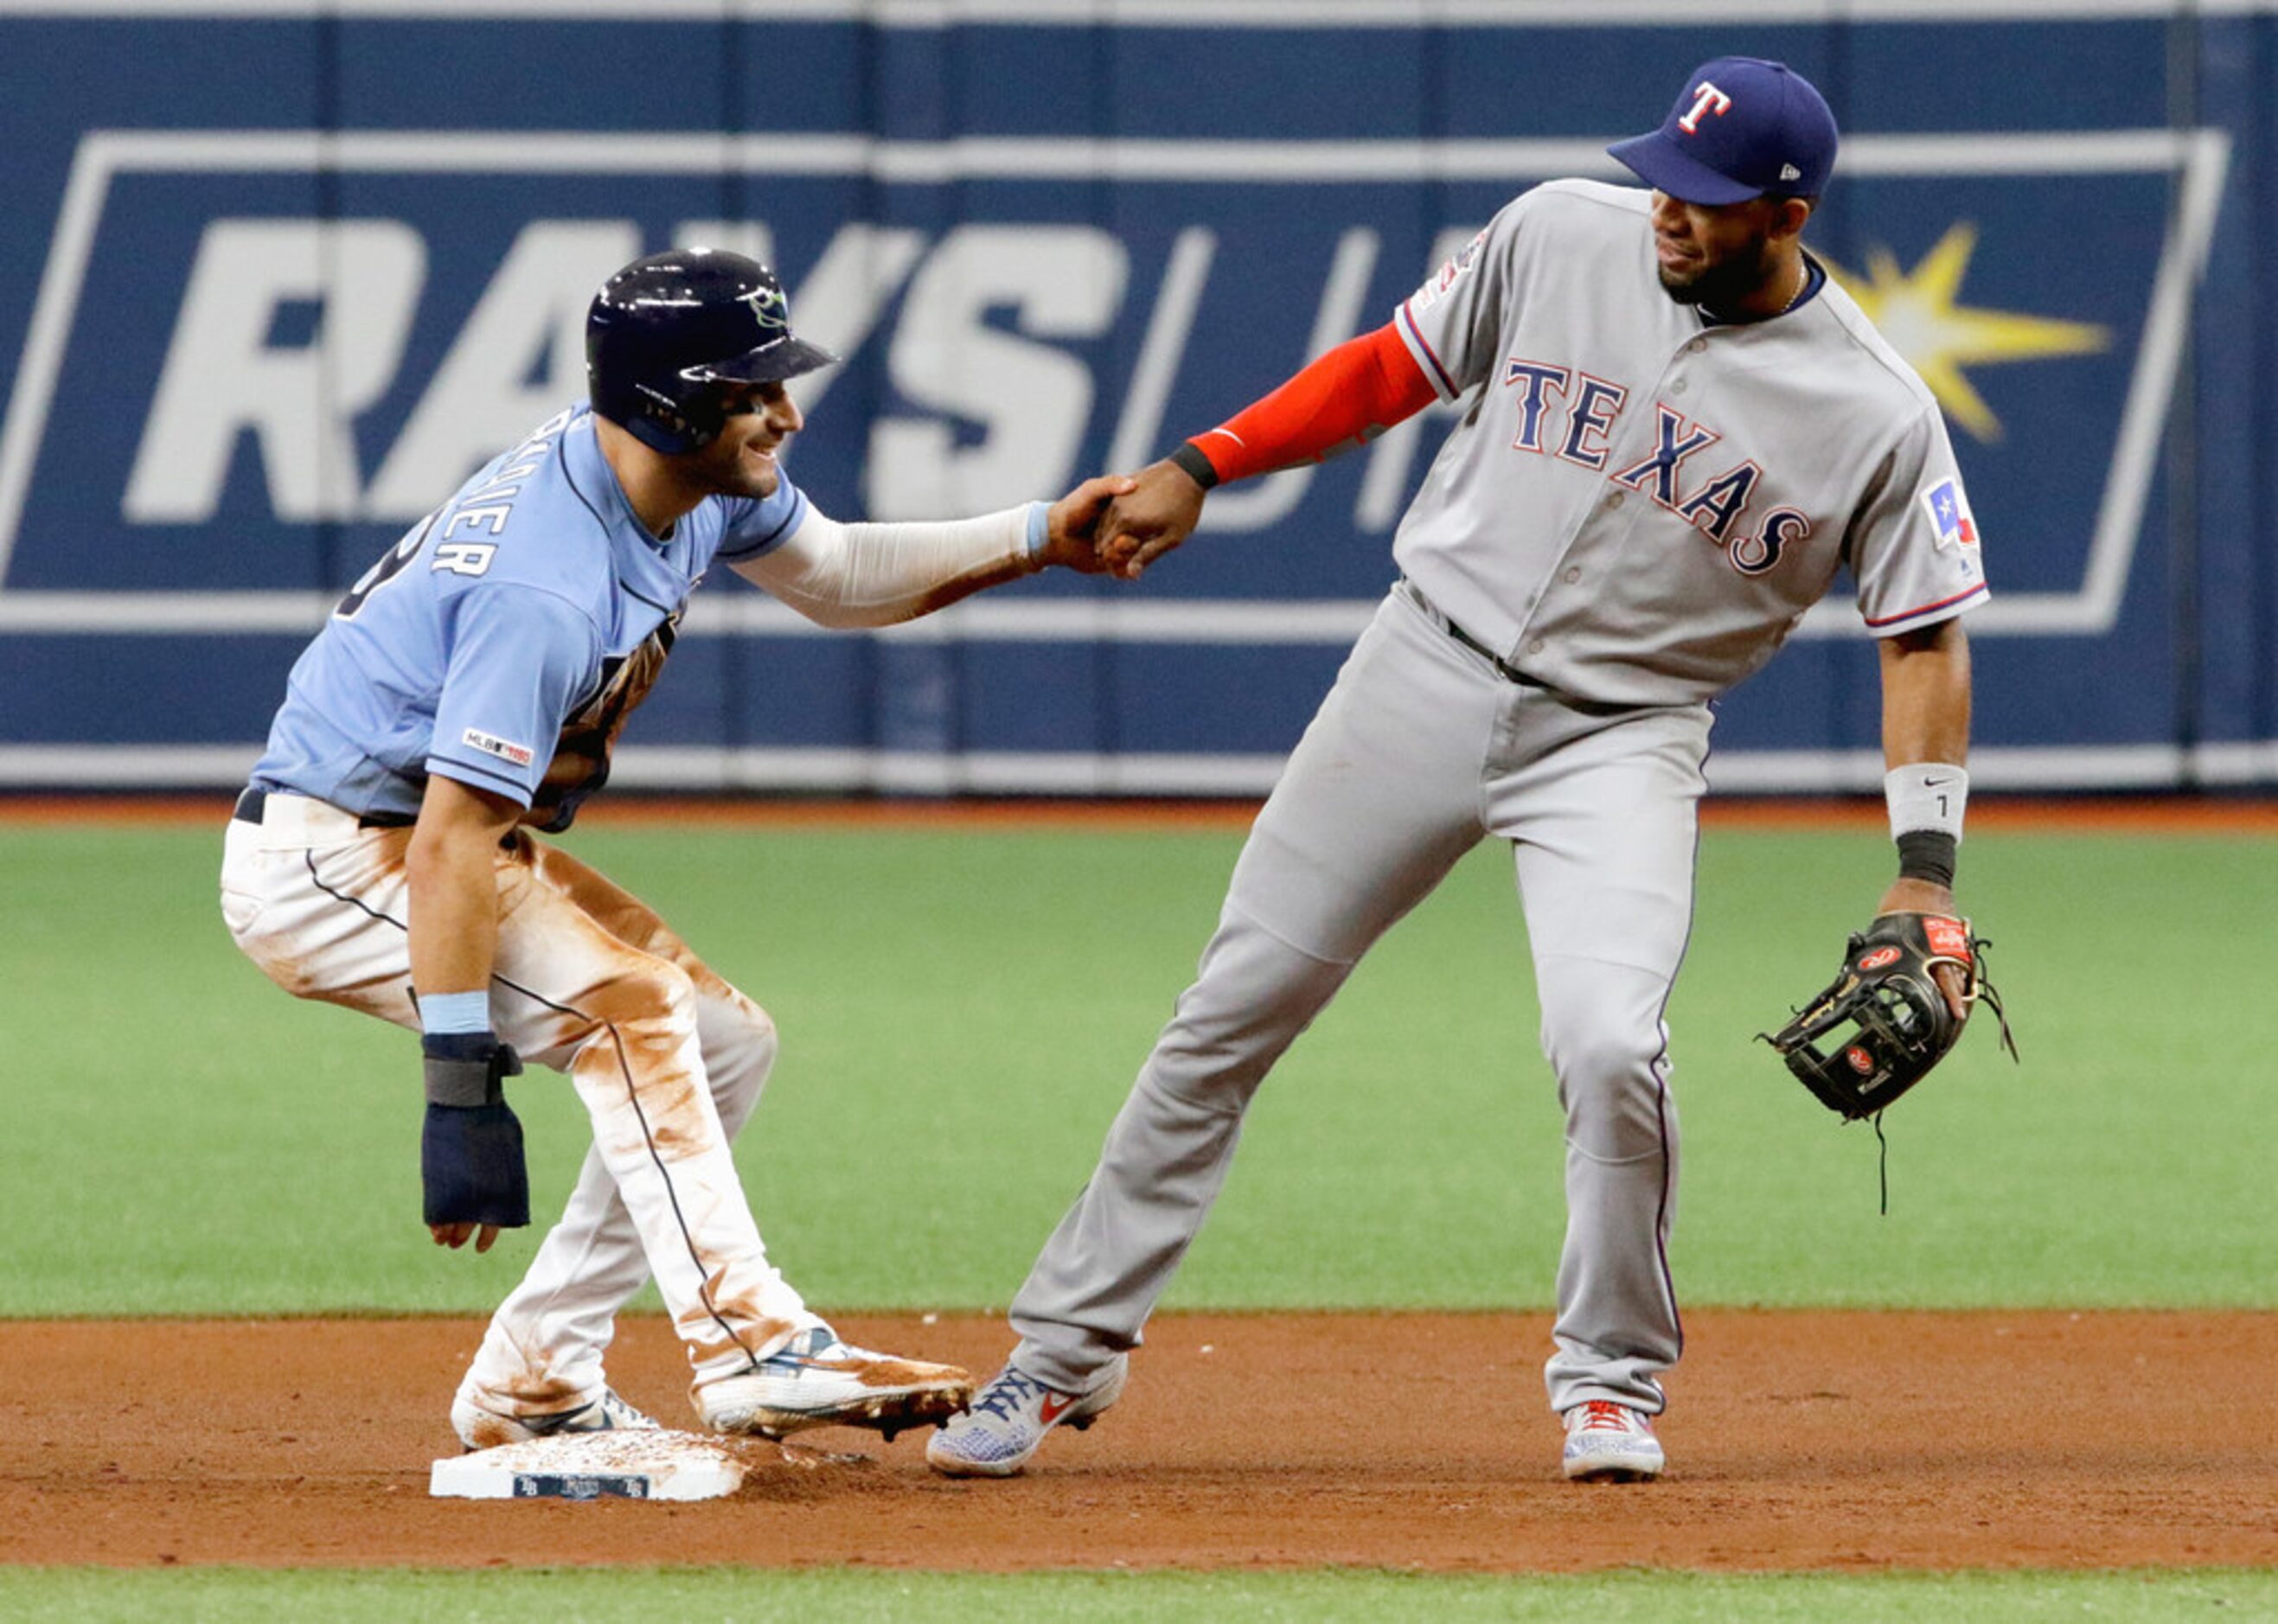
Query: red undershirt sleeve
x=1346, y=398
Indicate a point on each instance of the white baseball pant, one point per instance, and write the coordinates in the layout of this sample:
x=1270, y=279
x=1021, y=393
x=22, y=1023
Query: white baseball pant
x=668, y=1058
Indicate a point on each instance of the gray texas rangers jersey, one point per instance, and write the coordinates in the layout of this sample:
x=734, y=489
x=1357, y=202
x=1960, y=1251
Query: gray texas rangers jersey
x=1641, y=502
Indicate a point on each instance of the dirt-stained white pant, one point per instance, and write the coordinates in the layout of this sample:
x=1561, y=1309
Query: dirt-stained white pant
x=668, y=1059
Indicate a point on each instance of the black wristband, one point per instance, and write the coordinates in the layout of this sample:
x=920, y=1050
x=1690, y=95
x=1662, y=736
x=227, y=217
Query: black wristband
x=1190, y=457
x=464, y=1069
x=1927, y=854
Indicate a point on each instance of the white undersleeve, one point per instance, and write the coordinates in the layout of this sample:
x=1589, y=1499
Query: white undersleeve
x=876, y=575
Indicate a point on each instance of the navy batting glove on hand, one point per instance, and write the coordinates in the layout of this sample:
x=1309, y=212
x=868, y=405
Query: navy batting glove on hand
x=471, y=1159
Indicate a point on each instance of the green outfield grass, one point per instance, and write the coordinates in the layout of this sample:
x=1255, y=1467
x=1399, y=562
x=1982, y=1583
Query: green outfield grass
x=962, y=1012
x=569, y=1596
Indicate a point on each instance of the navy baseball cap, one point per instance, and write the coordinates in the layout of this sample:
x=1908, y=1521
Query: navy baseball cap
x=1744, y=128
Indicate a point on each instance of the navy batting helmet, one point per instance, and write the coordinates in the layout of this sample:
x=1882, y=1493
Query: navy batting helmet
x=663, y=332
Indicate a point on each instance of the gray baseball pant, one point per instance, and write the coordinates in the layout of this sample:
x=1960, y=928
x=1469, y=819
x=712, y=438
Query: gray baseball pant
x=1421, y=750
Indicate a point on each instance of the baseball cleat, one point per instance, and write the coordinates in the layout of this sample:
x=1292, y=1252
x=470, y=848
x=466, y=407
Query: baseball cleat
x=1610, y=1443
x=815, y=1380
x=479, y=1427
x=1008, y=1421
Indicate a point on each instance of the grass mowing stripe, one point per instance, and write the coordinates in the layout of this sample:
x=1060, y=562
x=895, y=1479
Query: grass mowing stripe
x=567, y=1596
x=962, y=1012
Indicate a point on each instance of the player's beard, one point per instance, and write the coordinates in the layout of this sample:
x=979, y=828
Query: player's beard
x=1724, y=288
x=724, y=473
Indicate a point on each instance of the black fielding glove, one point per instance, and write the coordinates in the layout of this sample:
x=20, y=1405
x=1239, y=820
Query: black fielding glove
x=1881, y=1025
x=471, y=1160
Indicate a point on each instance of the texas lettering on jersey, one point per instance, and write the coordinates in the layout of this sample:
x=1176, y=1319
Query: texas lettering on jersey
x=1567, y=413
x=1602, y=408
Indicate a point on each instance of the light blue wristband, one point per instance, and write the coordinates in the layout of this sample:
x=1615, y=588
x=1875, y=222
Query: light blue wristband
x=1040, y=528
x=441, y=1013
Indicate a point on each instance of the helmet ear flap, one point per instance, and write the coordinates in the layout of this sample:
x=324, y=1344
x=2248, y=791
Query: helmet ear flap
x=705, y=412
x=674, y=422
x=650, y=416
x=665, y=412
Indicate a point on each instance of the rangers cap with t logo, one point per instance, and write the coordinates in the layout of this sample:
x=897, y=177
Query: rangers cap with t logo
x=1743, y=128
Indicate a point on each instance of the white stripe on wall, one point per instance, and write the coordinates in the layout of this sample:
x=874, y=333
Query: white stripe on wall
x=698, y=769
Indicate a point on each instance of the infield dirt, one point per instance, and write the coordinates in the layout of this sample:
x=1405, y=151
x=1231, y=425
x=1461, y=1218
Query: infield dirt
x=1797, y=1440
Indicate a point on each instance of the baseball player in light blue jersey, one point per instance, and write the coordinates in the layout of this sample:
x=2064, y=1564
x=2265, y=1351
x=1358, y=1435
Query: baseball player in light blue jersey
x=467, y=692
x=1676, y=431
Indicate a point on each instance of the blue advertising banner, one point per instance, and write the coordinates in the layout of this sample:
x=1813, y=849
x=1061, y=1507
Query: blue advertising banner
x=283, y=272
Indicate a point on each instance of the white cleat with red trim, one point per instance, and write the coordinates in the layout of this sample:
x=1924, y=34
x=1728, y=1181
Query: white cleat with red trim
x=1610, y=1442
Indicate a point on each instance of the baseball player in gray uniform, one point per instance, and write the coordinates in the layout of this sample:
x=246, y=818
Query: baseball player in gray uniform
x=1676, y=429
x=468, y=690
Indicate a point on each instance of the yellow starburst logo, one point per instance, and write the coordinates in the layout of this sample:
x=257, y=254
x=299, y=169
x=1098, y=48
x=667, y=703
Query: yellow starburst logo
x=1916, y=312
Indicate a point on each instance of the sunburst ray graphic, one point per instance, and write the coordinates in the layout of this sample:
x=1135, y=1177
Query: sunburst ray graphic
x=1919, y=314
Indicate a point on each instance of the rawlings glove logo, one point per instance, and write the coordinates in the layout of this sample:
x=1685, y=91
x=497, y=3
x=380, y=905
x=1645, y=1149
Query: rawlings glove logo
x=1884, y=1021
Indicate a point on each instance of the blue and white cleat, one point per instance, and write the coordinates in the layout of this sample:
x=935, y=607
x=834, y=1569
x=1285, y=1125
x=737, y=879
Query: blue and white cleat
x=815, y=1380
x=1001, y=1432
x=481, y=1427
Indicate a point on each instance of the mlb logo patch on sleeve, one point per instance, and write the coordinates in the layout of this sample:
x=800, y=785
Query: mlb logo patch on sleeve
x=1949, y=514
x=491, y=745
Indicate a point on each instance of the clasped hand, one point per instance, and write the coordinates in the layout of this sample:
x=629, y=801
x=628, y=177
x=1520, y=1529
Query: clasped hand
x=1120, y=524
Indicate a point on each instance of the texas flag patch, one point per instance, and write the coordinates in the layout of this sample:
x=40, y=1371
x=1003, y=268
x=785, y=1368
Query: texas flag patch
x=1446, y=276
x=1949, y=514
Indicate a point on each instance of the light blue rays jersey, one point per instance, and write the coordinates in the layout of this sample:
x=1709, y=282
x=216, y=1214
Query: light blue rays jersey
x=503, y=642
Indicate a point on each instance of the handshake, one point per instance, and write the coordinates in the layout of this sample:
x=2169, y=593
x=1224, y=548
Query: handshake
x=1119, y=524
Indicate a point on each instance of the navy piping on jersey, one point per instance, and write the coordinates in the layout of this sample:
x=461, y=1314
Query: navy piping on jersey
x=561, y=453
x=761, y=545
x=1448, y=389
x=511, y=788
x=662, y=608
x=1928, y=608
x=703, y=1274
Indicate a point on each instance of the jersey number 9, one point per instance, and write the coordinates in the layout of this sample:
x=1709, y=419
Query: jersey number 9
x=390, y=565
